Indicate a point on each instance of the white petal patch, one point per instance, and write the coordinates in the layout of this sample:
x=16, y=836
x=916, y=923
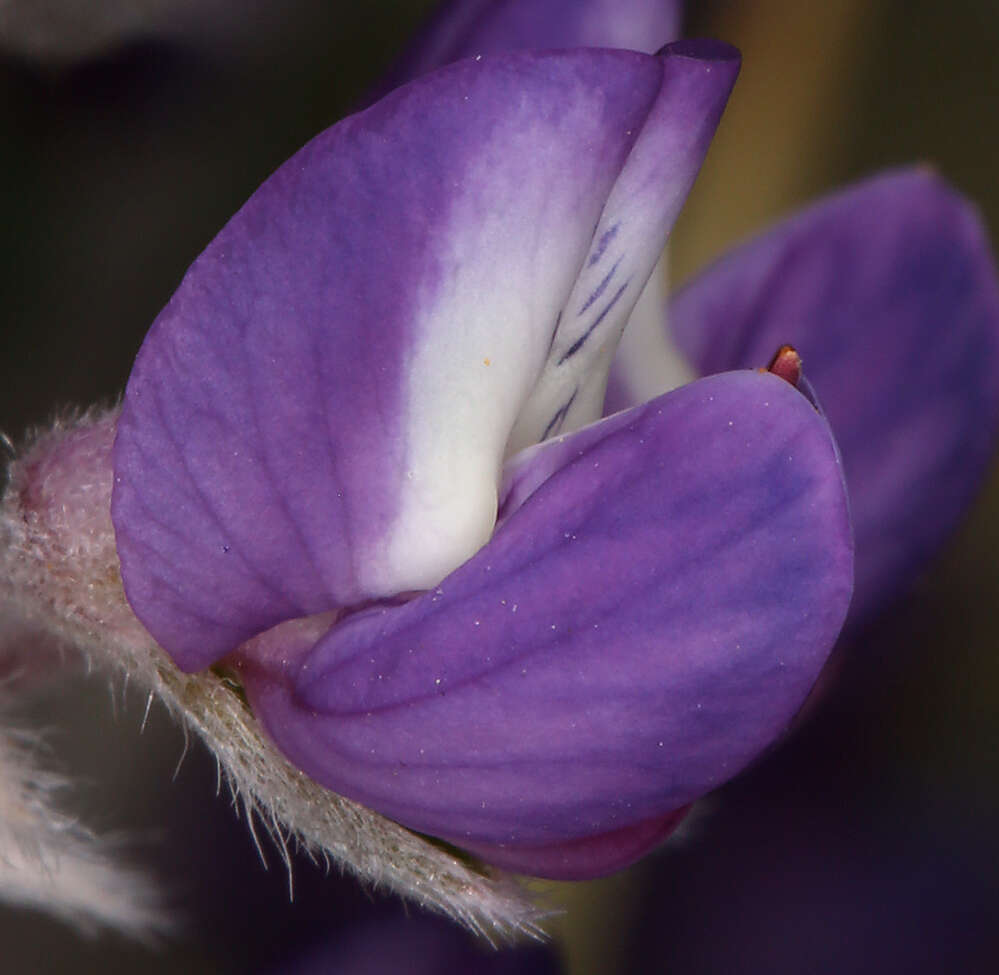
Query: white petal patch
x=485, y=330
x=648, y=363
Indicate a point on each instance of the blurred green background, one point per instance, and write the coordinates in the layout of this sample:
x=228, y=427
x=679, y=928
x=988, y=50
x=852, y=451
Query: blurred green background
x=124, y=151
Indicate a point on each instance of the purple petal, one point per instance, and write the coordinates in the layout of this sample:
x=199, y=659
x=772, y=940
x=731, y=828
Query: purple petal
x=466, y=28
x=638, y=629
x=889, y=292
x=320, y=414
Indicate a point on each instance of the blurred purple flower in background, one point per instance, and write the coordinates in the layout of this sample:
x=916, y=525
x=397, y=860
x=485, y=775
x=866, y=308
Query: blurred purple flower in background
x=791, y=886
x=467, y=28
x=888, y=290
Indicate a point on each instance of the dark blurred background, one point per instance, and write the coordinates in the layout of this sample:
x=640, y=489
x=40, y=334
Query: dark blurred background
x=868, y=842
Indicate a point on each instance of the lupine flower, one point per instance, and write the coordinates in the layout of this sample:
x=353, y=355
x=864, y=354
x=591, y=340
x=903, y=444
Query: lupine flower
x=349, y=456
x=601, y=215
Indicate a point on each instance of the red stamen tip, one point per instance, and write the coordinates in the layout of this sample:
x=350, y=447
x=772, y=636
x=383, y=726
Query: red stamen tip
x=786, y=364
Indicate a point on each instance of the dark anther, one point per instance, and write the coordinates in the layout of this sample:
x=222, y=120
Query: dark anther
x=786, y=364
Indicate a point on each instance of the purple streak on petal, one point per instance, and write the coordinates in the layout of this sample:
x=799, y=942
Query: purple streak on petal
x=637, y=630
x=466, y=28
x=888, y=290
x=601, y=245
x=697, y=79
x=280, y=451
